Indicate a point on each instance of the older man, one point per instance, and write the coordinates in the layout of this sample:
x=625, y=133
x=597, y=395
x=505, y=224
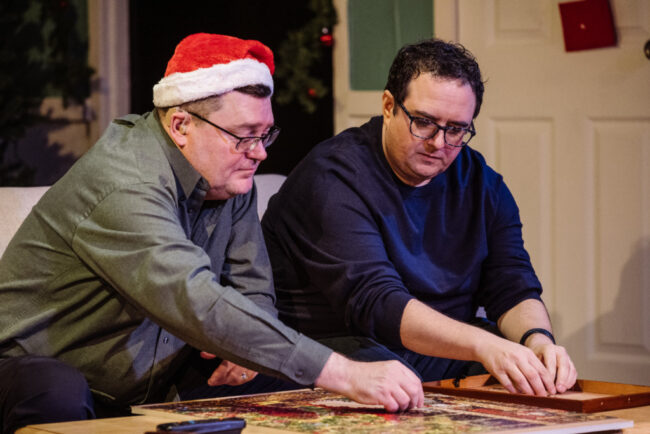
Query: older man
x=387, y=237
x=151, y=246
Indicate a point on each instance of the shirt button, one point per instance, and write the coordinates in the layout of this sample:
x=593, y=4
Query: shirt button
x=299, y=373
x=165, y=340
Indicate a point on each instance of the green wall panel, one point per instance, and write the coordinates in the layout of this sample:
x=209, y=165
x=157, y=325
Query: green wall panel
x=377, y=29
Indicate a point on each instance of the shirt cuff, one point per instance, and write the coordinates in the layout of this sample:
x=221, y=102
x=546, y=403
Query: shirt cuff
x=306, y=362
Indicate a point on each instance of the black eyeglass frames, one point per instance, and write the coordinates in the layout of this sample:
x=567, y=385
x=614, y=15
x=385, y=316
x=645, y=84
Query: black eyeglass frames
x=424, y=128
x=246, y=144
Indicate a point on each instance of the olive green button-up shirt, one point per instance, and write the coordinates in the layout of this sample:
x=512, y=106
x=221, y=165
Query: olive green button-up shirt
x=122, y=264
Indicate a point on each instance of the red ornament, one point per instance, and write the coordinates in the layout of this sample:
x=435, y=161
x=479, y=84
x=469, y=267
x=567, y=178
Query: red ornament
x=327, y=40
x=326, y=37
x=311, y=92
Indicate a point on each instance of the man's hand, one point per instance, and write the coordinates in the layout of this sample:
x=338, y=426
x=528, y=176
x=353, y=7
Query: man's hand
x=516, y=367
x=389, y=383
x=531, y=314
x=228, y=373
x=556, y=359
x=539, y=368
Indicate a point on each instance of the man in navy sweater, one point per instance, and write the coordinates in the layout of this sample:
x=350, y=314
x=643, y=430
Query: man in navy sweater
x=386, y=238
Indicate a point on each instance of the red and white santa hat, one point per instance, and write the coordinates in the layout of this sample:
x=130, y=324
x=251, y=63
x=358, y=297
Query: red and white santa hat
x=204, y=65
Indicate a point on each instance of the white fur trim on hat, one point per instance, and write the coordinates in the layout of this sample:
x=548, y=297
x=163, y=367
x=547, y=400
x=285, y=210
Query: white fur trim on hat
x=182, y=87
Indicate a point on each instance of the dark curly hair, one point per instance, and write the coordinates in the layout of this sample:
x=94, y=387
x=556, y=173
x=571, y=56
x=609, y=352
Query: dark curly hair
x=442, y=59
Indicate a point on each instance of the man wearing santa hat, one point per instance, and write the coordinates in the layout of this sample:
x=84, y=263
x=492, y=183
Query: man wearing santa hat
x=149, y=249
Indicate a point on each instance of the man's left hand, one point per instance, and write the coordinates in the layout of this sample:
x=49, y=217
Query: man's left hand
x=228, y=373
x=556, y=359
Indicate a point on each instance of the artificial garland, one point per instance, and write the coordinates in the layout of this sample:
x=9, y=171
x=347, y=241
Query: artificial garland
x=300, y=53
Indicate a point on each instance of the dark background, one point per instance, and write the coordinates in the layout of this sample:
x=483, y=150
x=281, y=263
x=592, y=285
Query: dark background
x=156, y=27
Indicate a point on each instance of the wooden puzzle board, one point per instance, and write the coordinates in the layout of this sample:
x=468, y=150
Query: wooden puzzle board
x=324, y=412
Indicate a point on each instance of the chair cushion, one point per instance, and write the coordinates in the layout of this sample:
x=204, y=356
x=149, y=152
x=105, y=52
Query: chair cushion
x=267, y=185
x=15, y=204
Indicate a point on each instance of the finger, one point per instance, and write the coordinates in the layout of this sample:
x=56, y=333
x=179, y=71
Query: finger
x=505, y=382
x=217, y=379
x=548, y=385
x=389, y=403
x=573, y=377
x=241, y=377
x=207, y=355
x=415, y=393
x=548, y=377
x=219, y=376
x=520, y=382
x=418, y=398
x=513, y=380
x=402, y=399
x=236, y=376
x=251, y=375
x=550, y=359
x=567, y=374
x=539, y=377
x=541, y=383
x=562, y=378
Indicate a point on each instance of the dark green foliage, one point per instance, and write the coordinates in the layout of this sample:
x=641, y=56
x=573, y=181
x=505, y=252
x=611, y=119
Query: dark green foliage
x=41, y=54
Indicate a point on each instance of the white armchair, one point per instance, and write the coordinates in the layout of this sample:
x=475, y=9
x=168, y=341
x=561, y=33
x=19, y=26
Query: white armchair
x=15, y=204
x=267, y=185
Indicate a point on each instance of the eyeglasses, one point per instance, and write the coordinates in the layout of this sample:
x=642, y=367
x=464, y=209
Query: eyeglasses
x=424, y=128
x=247, y=144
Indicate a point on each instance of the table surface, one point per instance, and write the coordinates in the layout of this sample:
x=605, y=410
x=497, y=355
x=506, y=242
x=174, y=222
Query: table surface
x=141, y=424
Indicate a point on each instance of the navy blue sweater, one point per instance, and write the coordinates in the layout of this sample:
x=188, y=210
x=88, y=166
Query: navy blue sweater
x=350, y=244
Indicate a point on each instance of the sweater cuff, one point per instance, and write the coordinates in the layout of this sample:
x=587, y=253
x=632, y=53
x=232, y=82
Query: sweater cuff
x=495, y=312
x=388, y=322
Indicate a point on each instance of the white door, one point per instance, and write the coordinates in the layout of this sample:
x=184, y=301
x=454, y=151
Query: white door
x=570, y=132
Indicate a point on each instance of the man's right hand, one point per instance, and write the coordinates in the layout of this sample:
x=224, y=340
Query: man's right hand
x=388, y=383
x=516, y=367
